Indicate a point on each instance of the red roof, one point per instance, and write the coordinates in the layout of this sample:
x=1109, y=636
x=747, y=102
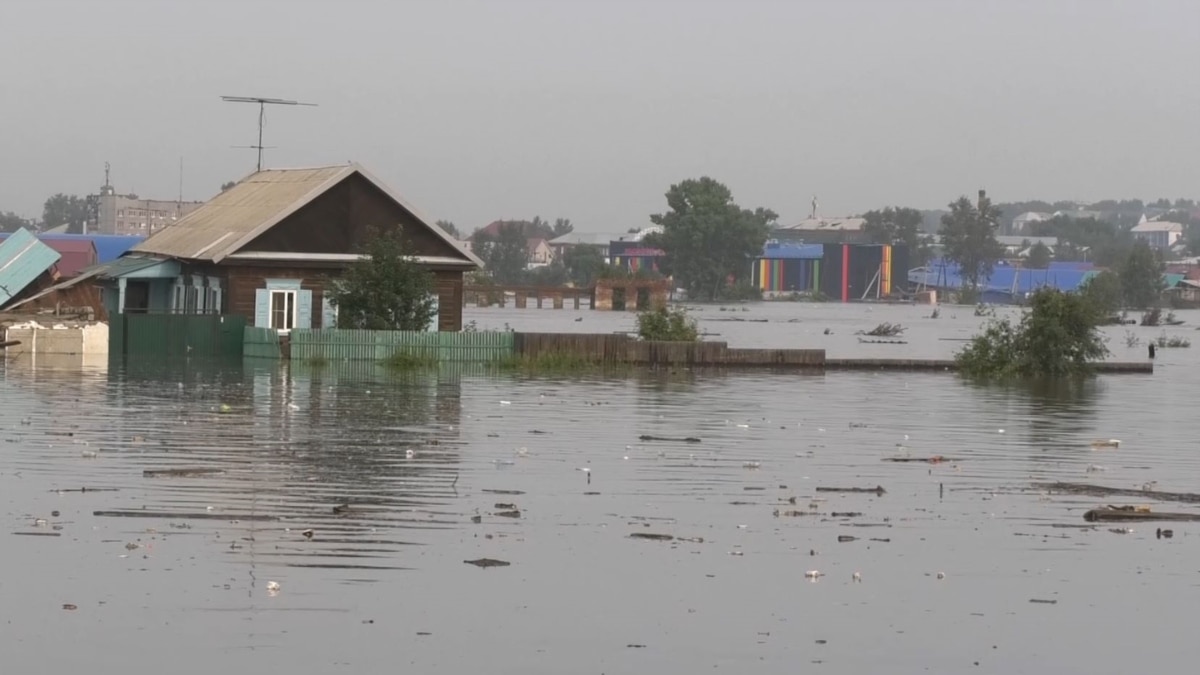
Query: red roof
x=76, y=255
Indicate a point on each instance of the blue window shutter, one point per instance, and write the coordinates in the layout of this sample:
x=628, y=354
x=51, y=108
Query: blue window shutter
x=304, y=309
x=262, y=308
x=328, y=315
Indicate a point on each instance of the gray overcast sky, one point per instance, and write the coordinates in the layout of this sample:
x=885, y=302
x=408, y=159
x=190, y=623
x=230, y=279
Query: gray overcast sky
x=590, y=109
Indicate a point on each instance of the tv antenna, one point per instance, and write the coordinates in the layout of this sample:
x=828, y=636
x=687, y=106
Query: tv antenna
x=262, y=113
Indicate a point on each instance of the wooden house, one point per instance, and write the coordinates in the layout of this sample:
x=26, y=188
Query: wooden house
x=269, y=247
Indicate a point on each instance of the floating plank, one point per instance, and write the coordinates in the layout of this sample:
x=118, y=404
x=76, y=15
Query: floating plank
x=878, y=490
x=176, y=515
x=1101, y=491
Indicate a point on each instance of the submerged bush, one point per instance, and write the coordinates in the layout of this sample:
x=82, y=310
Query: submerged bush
x=1056, y=336
x=667, y=325
x=404, y=360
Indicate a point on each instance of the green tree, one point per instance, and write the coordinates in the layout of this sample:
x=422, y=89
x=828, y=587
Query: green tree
x=506, y=255
x=1039, y=257
x=899, y=225
x=707, y=237
x=583, y=263
x=562, y=226
x=449, y=228
x=11, y=222
x=228, y=184
x=1103, y=292
x=1056, y=336
x=969, y=238
x=669, y=325
x=69, y=210
x=387, y=290
x=1142, y=277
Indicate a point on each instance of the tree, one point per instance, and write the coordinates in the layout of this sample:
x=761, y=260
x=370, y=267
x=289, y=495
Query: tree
x=899, y=225
x=668, y=325
x=1056, y=337
x=11, y=222
x=969, y=238
x=387, y=290
x=506, y=255
x=69, y=210
x=1039, y=257
x=1103, y=292
x=707, y=237
x=449, y=228
x=583, y=263
x=228, y=184
x=562, y=226
x=1142, y=277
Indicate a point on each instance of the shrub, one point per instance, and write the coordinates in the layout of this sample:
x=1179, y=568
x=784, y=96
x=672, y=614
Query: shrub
x=1056, y=336
x=667, y=325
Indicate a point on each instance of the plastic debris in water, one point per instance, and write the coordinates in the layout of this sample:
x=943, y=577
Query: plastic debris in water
x=1110, y=443
x=813, y=575
x=505, y=402
x=941, y=575
x=751, y=465
x=857, y=577
x=273, y=587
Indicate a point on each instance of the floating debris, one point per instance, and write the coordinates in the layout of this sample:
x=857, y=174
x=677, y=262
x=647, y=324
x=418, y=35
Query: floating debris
x=844, y=538
x=878, y=490
x=651, y=536
x=845, y=514
x=1101, y=491
x=69, y=607
x=856, y=577
x=685, y=439
x=1110, y=443
x=508, y=514
x=503, y=492
x=936, y=459
x=171, y=515
x=488, y=562
x=1110, y=514
x=273, y=587
x=813, y=574
x=1039, y=601
x=180, y=473
x=307, y=534
x=1163, y=534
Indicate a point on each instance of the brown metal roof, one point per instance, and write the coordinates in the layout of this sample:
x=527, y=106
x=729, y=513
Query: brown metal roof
x=234, y=218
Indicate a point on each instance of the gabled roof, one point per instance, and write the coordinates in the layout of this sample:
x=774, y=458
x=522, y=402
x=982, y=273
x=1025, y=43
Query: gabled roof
x=1158, y=226
x=234, y=218
x=827, y=224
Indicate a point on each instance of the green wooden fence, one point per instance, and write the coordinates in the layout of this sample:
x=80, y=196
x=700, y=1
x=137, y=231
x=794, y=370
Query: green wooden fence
x=173, y=335
x=333, y=344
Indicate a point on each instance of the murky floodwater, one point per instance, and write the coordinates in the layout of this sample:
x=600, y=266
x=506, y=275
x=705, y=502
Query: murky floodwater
x=174, y=574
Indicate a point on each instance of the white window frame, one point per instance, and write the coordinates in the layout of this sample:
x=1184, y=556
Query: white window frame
x=290, y=296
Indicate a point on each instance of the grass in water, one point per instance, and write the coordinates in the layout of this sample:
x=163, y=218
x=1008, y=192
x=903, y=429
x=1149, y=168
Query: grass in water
x=402, y=360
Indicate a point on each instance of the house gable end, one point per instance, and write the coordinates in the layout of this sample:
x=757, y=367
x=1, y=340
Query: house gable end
x=341, y=220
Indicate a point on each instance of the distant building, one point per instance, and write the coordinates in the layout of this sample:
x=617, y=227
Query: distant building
x=539, y=252
x=1022, y=222
x=822, y=230
x=132, y=215
x=1159, y=234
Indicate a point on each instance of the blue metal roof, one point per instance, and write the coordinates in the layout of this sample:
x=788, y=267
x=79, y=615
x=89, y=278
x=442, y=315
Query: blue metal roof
x=1004, y=278
x=108, y=246
x=22, y=259
x=778, y=250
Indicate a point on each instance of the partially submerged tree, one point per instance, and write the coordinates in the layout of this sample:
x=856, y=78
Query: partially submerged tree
x=1142, y=277
x=69, y=210
x=387, y=290
x=669, y=325
x=969, y=238
x=1056, y=336
x=1103, y=292
x=707, y=237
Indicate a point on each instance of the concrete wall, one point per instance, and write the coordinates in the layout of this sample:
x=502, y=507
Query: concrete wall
x=90, y=339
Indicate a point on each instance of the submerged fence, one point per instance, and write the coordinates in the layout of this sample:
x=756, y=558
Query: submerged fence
x=332, y=344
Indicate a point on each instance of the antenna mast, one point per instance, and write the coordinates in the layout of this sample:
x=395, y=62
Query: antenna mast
x=262, y=112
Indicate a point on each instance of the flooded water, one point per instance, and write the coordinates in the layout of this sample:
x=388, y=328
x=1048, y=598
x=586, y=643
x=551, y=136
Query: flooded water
x=106, y=568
